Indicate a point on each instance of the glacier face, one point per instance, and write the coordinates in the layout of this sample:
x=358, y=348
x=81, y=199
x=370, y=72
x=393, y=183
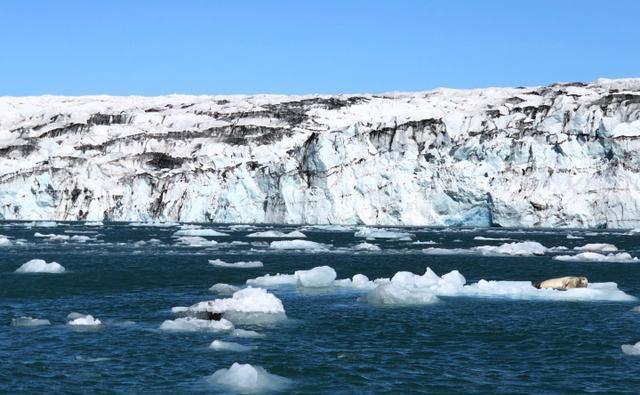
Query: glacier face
x=562, y=155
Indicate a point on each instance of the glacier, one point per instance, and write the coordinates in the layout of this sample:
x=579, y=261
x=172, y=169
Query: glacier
x=563, y=155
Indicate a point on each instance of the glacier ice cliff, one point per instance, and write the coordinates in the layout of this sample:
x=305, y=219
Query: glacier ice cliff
x=562, y=155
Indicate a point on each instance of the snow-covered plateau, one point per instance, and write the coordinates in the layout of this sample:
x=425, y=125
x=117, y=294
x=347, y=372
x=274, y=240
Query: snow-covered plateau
x=564, y=155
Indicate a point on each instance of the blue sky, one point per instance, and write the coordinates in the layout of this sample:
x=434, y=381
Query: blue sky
x=210, y=47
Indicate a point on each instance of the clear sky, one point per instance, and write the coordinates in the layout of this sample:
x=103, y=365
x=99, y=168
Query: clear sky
x=324, y=46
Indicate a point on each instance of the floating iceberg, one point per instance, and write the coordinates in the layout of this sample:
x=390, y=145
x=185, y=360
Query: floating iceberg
x=246, y=378
x=223, y=289
x=409, y=288
x=524, y=248
x=220, y=345
x=191, y=324
x=28, y=321
x=596, y=257
x=374, y=233
x=597, y=247
x=273, y=280
x=247, y=300
x=40, y=266
x=297, y=245
x=196, y=241
x=321, y=276
x=83, y=321
x=5, y=242
x=244, y=333
x=274, y=234
x=631, y=349
x=237, y=265
x=364, y=246
x=199, y=232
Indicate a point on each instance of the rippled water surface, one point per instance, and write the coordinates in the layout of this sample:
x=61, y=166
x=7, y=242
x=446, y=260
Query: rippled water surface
x=331, y=342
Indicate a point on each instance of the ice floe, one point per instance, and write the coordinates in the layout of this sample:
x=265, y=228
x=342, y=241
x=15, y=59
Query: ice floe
x=199, y=232
x=297, y=245
x=247, y=300
x=596, y=257
x=375, y=233
x=597, y=247
x=29, y=321
x=192, y=324
x=321, y=276
x=364, y=246
x=40, y=266
x=274, y=234
x=244, y=333
x=196, y=241
x=524, y=248
x=631, y=349
x=247, y=378
x=5, y=242
x=220, y=345
x=483, y=238
x=237, y=265
x=223, y=289
x=409, y=288
x=83, y=320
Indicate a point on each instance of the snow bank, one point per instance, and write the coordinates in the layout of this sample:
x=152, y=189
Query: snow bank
x=631, y=349
x=190, y=324
x=374, y=233
x=237, y=265
x=247, y=378
x=366, y=247
x=40, y=266
x=274, y=234
x=597, y=247
x=220, y=345
x=223, y=289
x=28, y=321
x=297, y=245
x=199, y=232
x=596, y=257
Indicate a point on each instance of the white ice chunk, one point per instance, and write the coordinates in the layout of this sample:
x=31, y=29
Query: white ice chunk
x=275, y=280
x=274, y=234
x=40, y=266
x=237, y=265
x=297, y=245
x=246, y=378
x=247, y=300
x=631, y=349
x=321, y=276
x=85, y=321
x=220, y=345
x=246, y=333
x=364, y=246
x=595, y=257
x=597, y=247
x=28, y=321
x=524, y=248
x=199, y=232
x=196, y=241
x=374, y=233
x=223, y=289
x=5, y=242
x=190, y=324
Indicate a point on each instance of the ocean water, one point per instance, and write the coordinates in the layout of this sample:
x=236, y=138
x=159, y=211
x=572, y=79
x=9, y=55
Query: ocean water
x=331, y=342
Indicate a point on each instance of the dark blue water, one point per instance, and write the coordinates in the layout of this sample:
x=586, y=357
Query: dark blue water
x=331, y=343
